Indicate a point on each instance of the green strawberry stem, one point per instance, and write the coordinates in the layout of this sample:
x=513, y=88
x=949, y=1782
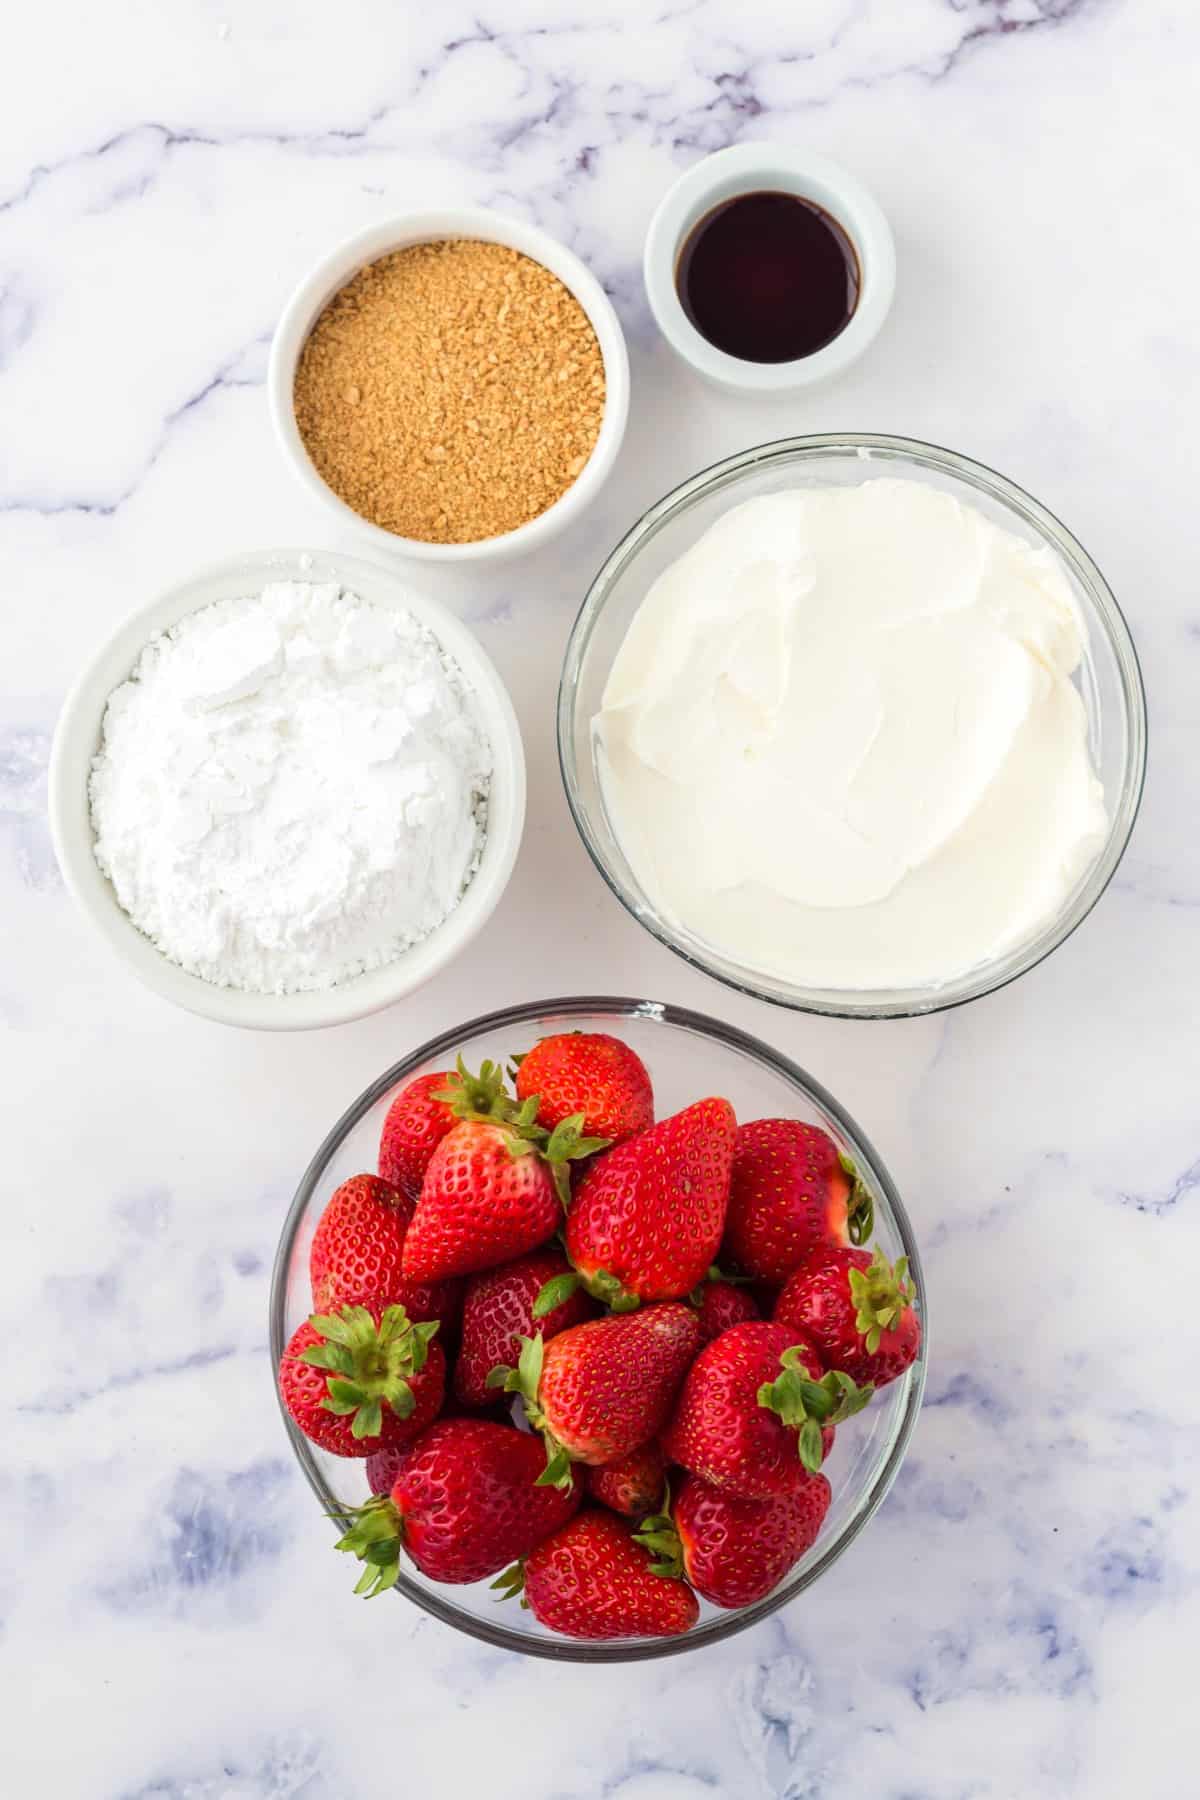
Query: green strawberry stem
x=480, y=1097
x=485, y=1100
x=658, y=1536
x=807, y=1405
x=610, y=1292
x=375, y=1538
x=860, y=1207
x=370, y=1366
x=564, y=1145
x=525, y=1380
x=511, y=1582
x=880, y=1293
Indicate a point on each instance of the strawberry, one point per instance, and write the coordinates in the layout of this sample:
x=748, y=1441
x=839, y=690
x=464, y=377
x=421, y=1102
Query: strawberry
x=647, y=1217
x=750, y=1412
x=465, y=1501
x=858, y=1310
x=490, y=1194
x=361, y=1380
x=734, y=1551
x=591, y=1073
x=383, y=1466
x=357, y=1250
x=633, y=1486
x=415, y=1124
x=791, y=1191
x=720, y=1304
x=499, y=1311
x=591, y=1580
x=426, y=1109
x=601, y=1390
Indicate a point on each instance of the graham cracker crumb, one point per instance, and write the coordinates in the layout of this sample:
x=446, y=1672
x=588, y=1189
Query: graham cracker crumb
x=451, y=391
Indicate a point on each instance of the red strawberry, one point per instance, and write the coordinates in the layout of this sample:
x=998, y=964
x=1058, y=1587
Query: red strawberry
x=489, y=1195
x=591, y=1073
x=647, y=1217
x=357, y=1250
x=591, y=1580
x=600, y=1390
x=858, y=1310
x=499, y=1311
x=750, y=1412
x=791, y=1191
x=465, y=1501
x=362, y=1380
x=383, y=1466
x=633, y=1486
x=734, y=1551
x=719, y=1304
x=415, y=1125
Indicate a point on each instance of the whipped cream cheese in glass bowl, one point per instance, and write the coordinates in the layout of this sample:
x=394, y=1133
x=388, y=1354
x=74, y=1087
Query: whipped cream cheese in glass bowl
x=854, y=725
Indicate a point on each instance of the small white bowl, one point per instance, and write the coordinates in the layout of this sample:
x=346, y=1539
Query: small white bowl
x=77, y=740
x=331, y=275
x=769, y=168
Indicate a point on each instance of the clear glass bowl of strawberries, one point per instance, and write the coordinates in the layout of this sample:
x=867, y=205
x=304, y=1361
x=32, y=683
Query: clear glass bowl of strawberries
x=599, y=1329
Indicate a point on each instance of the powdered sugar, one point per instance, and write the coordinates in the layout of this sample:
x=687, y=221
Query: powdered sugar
x=291, y=788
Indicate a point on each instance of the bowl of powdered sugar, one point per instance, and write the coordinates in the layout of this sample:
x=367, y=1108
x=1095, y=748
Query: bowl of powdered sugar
x=289, y=791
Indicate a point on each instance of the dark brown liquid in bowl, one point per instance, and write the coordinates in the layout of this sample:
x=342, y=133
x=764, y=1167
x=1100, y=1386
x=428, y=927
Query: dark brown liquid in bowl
x=768, y=277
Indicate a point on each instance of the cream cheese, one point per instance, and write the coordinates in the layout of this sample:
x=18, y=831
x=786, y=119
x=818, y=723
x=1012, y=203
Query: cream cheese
x=841, y=744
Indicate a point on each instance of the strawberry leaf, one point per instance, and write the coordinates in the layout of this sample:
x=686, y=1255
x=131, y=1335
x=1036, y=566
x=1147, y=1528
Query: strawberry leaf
x=879, y=1294
x=510, y=1582
x=555, y=1293
x=568, y=1144
x=658, y=1537
x=529, y=1366
x=610, y=1292
x=401, y=1401
x=328, y=1356
x=343, y=1397
x=374, y=1536
x=860, y=1204
x=368, y=1420
x=557, y=1472
x=805, y=1405
x=332, y=1325
x=371, y=1364
x=811, y=1451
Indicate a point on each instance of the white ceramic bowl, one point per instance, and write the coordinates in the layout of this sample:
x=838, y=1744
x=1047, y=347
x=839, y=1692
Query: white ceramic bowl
x=335, y=270
x=77, y=739
x=769, y=168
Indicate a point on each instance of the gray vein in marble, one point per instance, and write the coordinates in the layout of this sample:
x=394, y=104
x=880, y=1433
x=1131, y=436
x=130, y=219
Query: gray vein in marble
x=72, y=1399
x=736, y=92
x=231, y=376
x=1184, y=1185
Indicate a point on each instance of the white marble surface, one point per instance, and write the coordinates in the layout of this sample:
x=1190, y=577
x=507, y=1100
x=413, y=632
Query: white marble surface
x=1017, y=1623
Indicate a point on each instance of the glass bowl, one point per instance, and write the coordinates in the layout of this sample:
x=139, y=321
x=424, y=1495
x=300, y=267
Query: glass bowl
x=689, y=1056
x=1109, y=682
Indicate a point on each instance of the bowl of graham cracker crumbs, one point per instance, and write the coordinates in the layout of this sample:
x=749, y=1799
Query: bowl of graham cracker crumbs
x=454, y=383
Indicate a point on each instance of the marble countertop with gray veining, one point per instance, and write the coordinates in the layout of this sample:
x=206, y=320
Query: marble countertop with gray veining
x=1016, y=1624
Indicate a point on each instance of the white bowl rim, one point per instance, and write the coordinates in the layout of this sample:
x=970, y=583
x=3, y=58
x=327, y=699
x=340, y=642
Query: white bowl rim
x=77, y=738
x=340, y=264
x=749, y=168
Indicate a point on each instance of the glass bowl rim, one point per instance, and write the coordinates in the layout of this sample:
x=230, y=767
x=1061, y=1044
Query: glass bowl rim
x=732, y=1037
x=991, y=977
